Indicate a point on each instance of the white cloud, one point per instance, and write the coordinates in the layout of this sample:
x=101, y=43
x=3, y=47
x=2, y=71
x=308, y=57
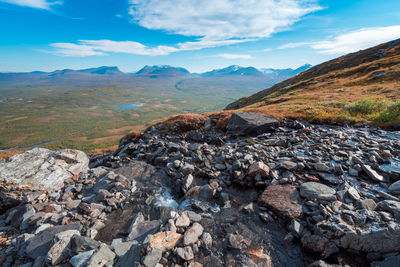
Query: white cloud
x=357, y=40
x=74, y=50
x=222, y=19
x=235, y=56
x=212, y=23
x=351, y=41
x=41, y=4
x=85, y=48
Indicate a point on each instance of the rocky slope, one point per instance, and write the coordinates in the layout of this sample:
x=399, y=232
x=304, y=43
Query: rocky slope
x=184, y=193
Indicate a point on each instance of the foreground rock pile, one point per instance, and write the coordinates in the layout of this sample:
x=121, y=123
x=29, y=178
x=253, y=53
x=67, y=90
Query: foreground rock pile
x=264, y=193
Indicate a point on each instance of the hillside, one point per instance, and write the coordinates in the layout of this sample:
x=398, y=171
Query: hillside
x=355, y=87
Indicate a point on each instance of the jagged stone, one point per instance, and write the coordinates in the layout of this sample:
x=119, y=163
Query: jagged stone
x=192, y=234
x=42, y=242
x=164, y=240
x=248, y=123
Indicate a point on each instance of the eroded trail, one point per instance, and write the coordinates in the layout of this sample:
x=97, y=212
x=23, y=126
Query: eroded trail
x=263, y=193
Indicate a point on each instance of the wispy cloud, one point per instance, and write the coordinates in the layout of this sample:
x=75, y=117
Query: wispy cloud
x=294, y=45
x=212, y=23
x=84, y=48
x=40, y=4
x=352, y=41
x=235, y=56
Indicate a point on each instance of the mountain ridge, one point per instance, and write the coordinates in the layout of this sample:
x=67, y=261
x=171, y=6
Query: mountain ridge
x=327, y=91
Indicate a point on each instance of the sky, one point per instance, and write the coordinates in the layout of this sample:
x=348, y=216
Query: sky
x=199, y=35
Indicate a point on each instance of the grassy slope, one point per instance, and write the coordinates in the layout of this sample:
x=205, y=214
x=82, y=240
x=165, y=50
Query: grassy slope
x=324, y=92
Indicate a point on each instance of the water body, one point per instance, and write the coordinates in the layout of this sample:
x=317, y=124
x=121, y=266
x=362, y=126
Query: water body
x=130, y=106
x=102, y=95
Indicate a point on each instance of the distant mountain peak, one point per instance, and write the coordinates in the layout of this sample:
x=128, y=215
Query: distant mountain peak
x=234, y=70
x=163, y=70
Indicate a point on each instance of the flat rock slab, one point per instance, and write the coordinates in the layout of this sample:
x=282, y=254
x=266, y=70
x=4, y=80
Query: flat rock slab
x=282, y=199
x=40, y=244
x=385, y=240
x=313, y=190
x=137, y=170
x=43, y=169
x=142, y=229
x=250, y=123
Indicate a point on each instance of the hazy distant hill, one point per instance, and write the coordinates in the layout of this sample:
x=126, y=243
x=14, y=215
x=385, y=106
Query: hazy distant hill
x=162, y=70
x=234, y=70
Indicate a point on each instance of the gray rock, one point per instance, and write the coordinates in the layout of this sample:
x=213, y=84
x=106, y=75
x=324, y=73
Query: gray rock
x=289, y=165
x=42, y=242
x=391, y=206
x=104, y=256
x=321, y=167
x=130, y=258
x=248, y=123
x=185, y=253
x=238, y=241
x=183, y=220
x=395, y=188
x=43, y=169
x=207, y=240
x=82, y=259
x=372, y=173
x=296, y=228
x=141, y=230
x=187, y=183
x=390, y=261
x=192, y=234
x=120, y=247
x=353, y=172
x=83, y=243
x=384, y=240
x=313, y=190
x=353, y=193
x=220, y=166
x=193, y=216
x=205, y=193
x=153, y=257
x=368, y=204
x=60, y=249
x=18, y=217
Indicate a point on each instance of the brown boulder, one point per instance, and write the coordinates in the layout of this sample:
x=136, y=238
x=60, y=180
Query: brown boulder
x=282, y=199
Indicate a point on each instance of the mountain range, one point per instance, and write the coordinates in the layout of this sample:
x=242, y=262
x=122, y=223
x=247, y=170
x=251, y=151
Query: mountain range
x=167, y=70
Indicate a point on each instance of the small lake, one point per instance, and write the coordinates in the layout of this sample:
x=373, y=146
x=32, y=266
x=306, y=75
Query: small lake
x=102, y=95
x=130, y=106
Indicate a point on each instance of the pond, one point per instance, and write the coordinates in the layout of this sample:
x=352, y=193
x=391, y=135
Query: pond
x=130, y=106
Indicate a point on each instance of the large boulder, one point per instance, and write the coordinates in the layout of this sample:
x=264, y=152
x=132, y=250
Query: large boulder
x=249, y=123
x=43, y=169
x=383, y=240
x=282, y=199
x=41, y=243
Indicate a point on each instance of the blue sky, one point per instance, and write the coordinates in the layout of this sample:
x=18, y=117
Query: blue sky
x=198, y=35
